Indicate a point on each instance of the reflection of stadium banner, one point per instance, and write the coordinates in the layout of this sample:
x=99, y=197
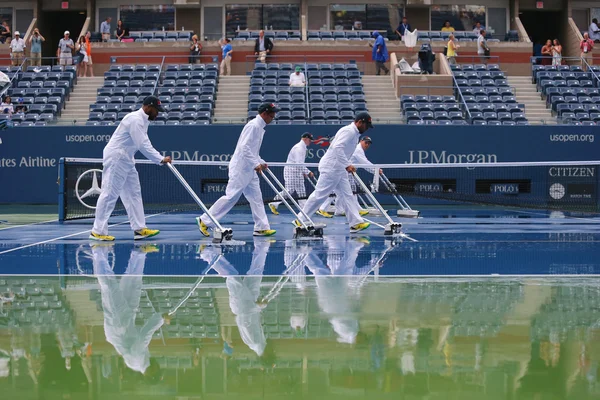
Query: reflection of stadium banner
x=29, y=157
x=573, y=184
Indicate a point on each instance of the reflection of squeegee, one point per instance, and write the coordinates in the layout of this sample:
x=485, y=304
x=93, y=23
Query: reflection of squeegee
x=405, y=210
x=284, y=278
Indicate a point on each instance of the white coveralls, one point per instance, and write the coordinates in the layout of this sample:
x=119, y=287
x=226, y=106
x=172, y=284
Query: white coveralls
x=333, y=176
x=294, y=176
x=120, y=301
x=243, y=294
x=337, y=296
x=358, y=158
x=119, y=176
x=242, y=177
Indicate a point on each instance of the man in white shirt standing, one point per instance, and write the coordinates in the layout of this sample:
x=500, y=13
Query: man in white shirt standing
x=65, y=50
x=594, y=31
x=333, y=169
x=17, y=47
x=105, y=29
x=244, y=167
x=294, y=175
x=297, y=78
x=119, y=176
x=482, y=48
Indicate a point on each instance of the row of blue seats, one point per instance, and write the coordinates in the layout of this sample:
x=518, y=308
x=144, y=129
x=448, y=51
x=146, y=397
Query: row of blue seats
x=46, y=76
x=333, y=98
x=559, y=99
x=581, y=116
x=354, y=89
x=491, y=107
x=305, y=67
x=115, y=76
x=567, y=91
x=479, y=75
x=193, y=98
x=178, y=91
x=568, y=76
x=153, y=40
x=561, y=68
x=157, y=67
x=169, y=83
x=22, y=92
x=462, y=39
x=161, y=35
x=311, y=90
x=422, y=98
x=279, y=39
x=117, y=107
x=501, y=123
x=340, y=34
x=308, y=75
x=28, y=124
x=33, y=117
x=273, y=98
x=115, y=123
x=334, y=82
x=269, y=34
x=425, y=115
x=171, y=115
x=545, y=84
x=490, y=99
x=446, y=35
x=482, y=82
x=356, y=107
x=576, y=108
x=475, y=67
x=582, y=123
x=434, y=122
x=40, y=69
x=44, y=84
x=487, y=91
x=450, y=107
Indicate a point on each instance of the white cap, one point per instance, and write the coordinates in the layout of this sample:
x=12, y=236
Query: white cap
x=67, y=33
x=17, y=33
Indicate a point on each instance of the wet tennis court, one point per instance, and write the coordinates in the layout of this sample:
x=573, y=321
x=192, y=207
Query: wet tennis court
x=473, y=302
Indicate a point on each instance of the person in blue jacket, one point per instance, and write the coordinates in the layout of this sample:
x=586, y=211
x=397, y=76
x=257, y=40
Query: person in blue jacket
x=380, y=54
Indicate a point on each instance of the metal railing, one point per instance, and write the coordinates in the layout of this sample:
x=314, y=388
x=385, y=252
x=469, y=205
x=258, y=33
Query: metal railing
x=162, y=63
x=458, y=93
x=357, y=59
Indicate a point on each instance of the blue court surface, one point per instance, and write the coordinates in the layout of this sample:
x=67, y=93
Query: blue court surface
x=445, y=241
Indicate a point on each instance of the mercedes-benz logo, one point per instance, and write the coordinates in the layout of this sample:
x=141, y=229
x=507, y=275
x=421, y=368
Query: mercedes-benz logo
x=93, y=192
x=84, y=262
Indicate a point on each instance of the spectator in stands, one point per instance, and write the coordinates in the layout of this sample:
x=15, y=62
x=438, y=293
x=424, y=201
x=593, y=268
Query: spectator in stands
x=65, y=50
x=483, y=51
x=195, y=50
x=4, y=32
x=478, y=28
x=35, y=43
x=7, y=106
x=20, y=108
x=452, y=47
x=547, y=53
x=380, y=54
x=17, y=47
x=88, y=49
x=586, y=46
x=83, y=57
x=297, y=78
x=105, y=29
x=120, y=30
x=556, y=53
x=227, y=50
x=447, y=27
x=594, y=31
x=403, y=27
x=262, y=47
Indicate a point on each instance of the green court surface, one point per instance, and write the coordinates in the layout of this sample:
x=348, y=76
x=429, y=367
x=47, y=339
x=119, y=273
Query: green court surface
x=22, y=214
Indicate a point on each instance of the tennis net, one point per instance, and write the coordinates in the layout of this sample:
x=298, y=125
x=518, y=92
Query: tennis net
x=564, y=186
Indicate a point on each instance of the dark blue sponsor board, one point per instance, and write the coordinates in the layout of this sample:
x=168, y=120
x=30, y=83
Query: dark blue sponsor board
x=29, y=156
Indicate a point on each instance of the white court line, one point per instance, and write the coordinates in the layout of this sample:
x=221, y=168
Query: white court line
x=63, y=237
x=33, y=223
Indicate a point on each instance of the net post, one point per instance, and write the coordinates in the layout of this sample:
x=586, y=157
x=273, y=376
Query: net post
x=61, y=190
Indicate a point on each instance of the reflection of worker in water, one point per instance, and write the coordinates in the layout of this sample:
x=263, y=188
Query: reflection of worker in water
x=337, y=295
x=120, y=301
x=244, y=293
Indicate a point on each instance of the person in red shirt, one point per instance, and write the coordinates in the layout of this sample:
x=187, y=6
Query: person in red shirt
x=586, y=46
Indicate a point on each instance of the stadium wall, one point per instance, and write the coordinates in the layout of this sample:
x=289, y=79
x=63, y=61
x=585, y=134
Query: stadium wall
x=29, y=157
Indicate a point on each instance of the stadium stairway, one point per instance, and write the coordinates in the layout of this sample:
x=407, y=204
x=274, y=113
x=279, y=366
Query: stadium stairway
x=77, y=108
x=85, y=309
x=381, y=99
x=232, y=99
x=535, y=108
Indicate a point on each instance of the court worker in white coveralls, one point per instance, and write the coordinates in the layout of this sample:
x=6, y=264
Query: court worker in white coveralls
x=334, y=168
x=121, y=303
x=119, y=176
x=358, y=158
x=294, y=175
x=244, y=167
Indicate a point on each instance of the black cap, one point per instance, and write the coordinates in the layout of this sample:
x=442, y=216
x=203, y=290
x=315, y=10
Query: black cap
x=364, y=117
x=307, y=135
x=366, y=139
x=267, y=107
x=154, y=102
